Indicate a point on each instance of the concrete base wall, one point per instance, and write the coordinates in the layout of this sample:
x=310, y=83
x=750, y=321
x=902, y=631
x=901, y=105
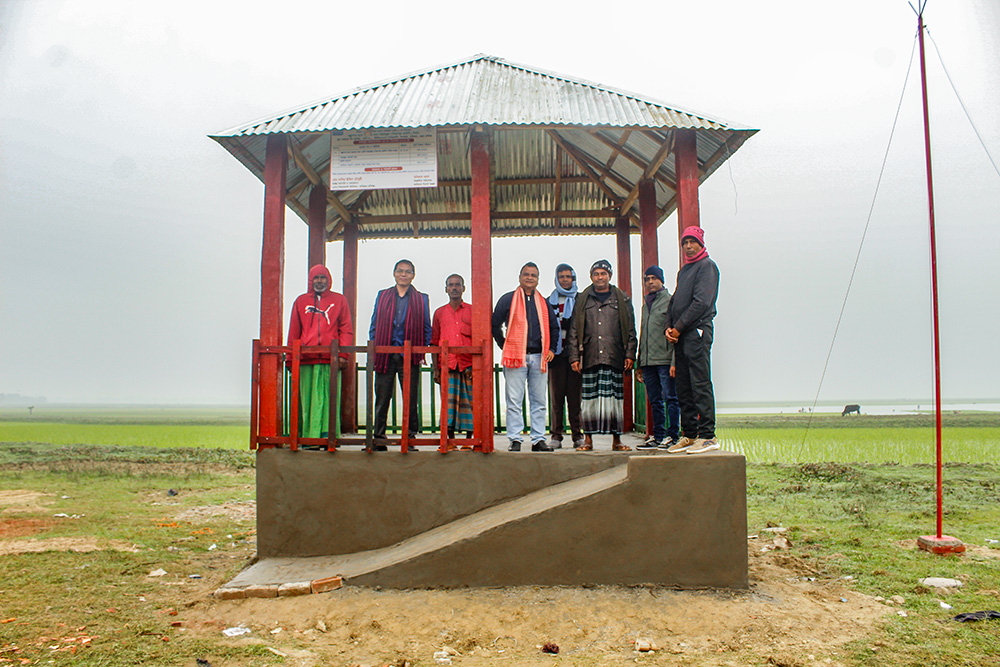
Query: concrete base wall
x=677, y=520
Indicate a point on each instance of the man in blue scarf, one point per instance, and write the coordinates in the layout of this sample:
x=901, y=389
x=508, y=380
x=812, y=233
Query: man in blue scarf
x=564, y=384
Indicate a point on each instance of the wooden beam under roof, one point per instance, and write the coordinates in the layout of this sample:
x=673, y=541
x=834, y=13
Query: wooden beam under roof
x=616, y=148
x=571, y=151
x=633, y=158
x=661, y=154
x=449, y=216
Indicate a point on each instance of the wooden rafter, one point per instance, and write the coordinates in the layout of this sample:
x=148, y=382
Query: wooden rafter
x=450, y=216
x=616, y=149
x=661, y=154
x=632, y=157
x=582, y=163
x=508, y=182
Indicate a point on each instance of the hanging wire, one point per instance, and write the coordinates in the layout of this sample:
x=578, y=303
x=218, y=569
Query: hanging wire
x=959, y=97
x=861, y=246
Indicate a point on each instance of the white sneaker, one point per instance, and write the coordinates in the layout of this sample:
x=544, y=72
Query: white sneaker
x=702, y=445
x=650, y=443
x=681, y=445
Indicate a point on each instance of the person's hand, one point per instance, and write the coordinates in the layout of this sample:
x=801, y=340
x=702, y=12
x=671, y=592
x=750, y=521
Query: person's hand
x=638, y=374
x=342, y=362
x=575, y=366
x=628, y=364
x=673, y=335
x=673, y=371
x=467, y=373
x=437, y=375
x=549, y=356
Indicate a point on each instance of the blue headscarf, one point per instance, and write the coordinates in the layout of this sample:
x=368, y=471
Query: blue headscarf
x=569, y=294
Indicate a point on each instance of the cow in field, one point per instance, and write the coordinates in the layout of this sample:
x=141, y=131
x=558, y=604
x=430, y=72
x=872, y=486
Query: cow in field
x=848, y=409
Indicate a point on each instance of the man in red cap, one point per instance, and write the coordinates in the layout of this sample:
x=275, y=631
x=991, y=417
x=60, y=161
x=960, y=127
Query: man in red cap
x=690, y=328
x=318, y=317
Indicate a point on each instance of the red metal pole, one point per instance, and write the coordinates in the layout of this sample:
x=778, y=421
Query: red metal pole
x=625, y=285
x=482, y=285
x=272, y=267
x=408, y=397
x=443, y=422
x=686, y=166
x=349, y=383
x=293, y=402
x=934, y=285
x=317, y=226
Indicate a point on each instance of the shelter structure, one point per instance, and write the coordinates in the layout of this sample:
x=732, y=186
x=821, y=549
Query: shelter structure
x=519, y=151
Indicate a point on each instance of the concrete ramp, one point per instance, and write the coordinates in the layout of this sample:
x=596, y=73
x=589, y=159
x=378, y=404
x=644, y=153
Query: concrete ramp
x=351, y=567
x=467, y=519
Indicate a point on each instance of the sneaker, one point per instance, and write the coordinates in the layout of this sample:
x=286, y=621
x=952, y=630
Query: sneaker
x=681, y=445
x=702, y=445
x=555, y=444
x=650, y=443
x=514, y=446
x=666, y=443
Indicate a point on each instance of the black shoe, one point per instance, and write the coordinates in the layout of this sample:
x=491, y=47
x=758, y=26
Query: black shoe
x=540, y=446
x=650, y=443
x=514, y=447
x=380, y=448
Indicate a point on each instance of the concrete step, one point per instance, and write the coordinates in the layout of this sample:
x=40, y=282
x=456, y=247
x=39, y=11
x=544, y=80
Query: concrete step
x=274, y=572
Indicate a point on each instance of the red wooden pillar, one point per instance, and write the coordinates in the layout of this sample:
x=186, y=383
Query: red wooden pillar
x=317, y=227
x=686, y=161
x=647, y=224
x=650, y=251
x=272, y=259
x=482, y=285
x=625, y=285
x=349, y=388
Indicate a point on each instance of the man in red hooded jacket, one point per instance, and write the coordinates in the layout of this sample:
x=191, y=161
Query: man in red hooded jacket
x=318, y=317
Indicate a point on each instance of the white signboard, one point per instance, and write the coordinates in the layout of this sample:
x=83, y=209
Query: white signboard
x=383, y=158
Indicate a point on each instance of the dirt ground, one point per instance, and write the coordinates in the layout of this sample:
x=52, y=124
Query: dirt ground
x=789, y=617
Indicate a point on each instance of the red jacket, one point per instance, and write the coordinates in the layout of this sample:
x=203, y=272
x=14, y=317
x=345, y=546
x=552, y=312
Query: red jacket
x=317, y=319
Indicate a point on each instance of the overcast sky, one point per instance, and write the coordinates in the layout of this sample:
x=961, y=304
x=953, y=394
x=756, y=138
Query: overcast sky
x=130, y=242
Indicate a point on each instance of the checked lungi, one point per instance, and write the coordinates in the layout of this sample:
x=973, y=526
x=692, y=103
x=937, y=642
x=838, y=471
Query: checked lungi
x=459, y=402
x=602, y=407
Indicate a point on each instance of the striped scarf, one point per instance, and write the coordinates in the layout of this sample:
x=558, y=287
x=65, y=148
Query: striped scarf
x=516, y=346
x=413, y=328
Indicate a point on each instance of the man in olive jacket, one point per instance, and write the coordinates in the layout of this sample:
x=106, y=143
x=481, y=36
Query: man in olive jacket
x=602, y=345
x=656, y=363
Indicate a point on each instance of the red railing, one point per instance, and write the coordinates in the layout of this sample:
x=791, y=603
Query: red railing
x=291, y=355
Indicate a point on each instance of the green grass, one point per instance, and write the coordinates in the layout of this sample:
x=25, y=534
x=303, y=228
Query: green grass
x=905, y=439
x=128, y=435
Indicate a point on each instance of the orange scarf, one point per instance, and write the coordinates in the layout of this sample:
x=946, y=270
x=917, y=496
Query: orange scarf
x=516, y=345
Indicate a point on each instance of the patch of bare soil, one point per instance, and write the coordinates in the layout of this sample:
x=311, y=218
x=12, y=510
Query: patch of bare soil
x=77, y=544
x=235, y=510
x=23, y=527
x=790, y=616
x=22, y=501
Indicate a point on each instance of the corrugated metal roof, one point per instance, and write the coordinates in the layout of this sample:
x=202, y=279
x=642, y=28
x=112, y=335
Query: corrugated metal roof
x=541, y=123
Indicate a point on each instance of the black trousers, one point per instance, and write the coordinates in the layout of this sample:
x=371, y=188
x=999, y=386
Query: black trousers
x=384, y=389
x=692, y=356
x=565, y=386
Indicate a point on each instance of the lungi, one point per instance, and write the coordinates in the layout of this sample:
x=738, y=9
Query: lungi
x=314, y=401
x=459, y=402
x=602, y=405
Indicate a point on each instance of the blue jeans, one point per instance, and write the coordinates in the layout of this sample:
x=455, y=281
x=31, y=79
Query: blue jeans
x=661, y=389
x=537, y=382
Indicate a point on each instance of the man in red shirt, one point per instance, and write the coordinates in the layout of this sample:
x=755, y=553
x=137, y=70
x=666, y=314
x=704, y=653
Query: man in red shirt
x=452, y=322
x=318, y=317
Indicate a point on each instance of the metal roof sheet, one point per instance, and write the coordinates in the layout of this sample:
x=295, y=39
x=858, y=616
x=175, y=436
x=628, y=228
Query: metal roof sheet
x=543, y=126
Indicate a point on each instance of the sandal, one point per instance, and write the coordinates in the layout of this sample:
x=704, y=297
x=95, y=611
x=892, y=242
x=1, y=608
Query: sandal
x=621, y=448
x=583, y=448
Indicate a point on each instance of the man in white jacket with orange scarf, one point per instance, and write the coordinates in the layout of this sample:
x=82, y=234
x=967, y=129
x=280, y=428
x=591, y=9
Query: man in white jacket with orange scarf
x=527, y=329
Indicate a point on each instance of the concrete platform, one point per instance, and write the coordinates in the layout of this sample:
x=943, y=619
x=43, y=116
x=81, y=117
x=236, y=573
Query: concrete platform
x=466, y=519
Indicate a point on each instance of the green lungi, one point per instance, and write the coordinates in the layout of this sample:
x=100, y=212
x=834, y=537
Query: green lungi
x=314, y=401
